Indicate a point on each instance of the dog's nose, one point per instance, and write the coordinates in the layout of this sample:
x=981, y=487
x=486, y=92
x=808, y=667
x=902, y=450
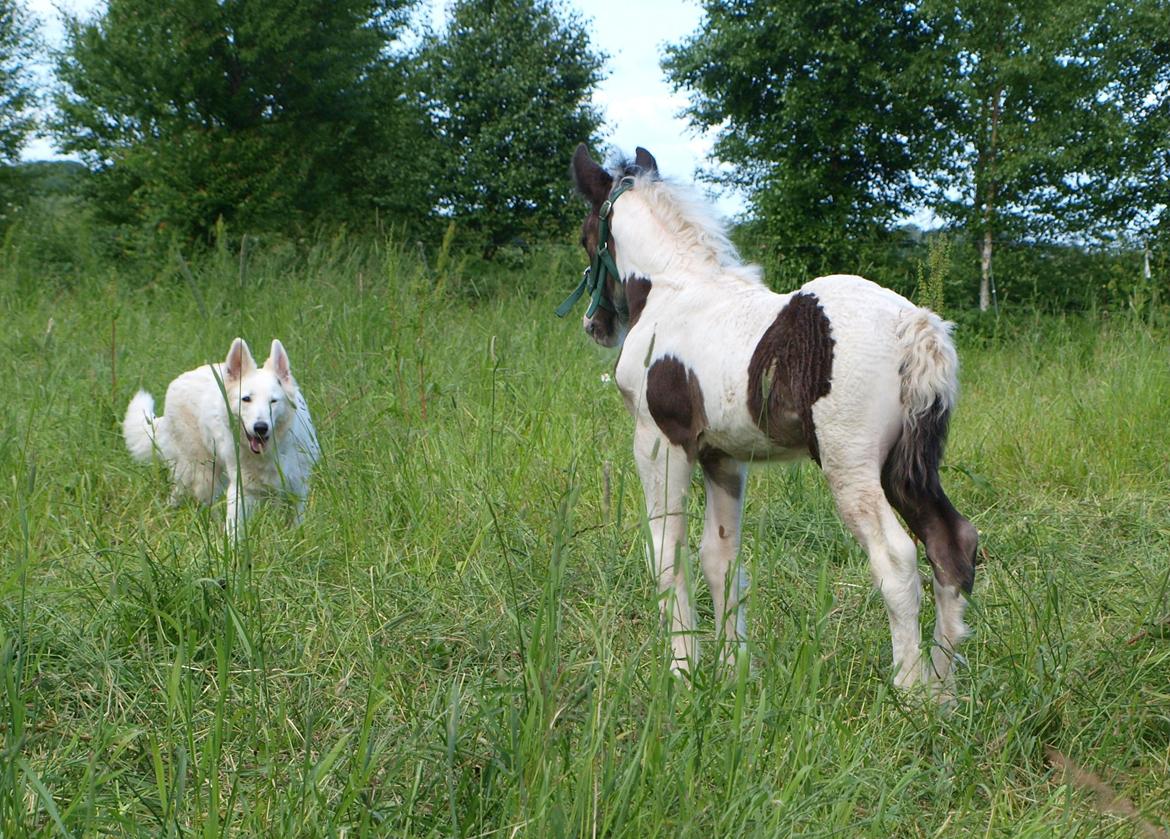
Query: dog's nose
x=260, y=429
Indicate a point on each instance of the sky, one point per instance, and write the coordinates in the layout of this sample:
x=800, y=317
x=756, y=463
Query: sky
x=639, y=107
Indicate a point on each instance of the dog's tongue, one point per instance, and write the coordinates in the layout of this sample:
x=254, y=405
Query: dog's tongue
x=256, y=443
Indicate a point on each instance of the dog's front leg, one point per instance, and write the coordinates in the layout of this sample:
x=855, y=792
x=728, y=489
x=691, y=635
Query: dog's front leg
x=238, y=508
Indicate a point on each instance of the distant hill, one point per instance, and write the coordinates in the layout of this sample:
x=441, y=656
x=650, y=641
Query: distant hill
x=47, y=177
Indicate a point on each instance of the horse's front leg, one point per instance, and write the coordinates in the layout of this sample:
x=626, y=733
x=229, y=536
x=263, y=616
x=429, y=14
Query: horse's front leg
x=725, y=479
x=665, y=471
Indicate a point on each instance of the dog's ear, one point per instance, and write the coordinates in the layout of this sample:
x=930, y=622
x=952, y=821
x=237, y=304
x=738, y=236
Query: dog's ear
x=277, y=362
x=239, y=361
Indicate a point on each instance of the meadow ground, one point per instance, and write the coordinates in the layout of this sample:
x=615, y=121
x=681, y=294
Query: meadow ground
x=462, y=639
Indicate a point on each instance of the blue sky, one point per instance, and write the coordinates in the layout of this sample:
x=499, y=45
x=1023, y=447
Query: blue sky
x=640, y=108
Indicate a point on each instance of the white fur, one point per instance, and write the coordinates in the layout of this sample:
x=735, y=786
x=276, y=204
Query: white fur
x=891, y=361
x=232, y=426
x=930, y=364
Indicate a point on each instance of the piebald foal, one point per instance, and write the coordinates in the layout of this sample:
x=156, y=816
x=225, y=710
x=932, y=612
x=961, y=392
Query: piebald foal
x=718, y=370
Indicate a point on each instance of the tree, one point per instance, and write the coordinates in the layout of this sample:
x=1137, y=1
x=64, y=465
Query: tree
x=16, y=88
x=1023, y=112
x=1122, y=185
x=508, y=84
x=259, y=112
x=1033, y=119
x=824, y=109
x=1059, y=125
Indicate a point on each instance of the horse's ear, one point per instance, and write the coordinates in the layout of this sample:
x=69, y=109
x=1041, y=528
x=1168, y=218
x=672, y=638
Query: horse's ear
x=645, y=160
x=591, y=180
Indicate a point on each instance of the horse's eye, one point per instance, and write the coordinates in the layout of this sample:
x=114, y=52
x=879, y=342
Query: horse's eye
x=272, y=401
x=246, y=399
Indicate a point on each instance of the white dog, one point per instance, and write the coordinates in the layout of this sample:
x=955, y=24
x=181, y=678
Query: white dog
x=232, y=425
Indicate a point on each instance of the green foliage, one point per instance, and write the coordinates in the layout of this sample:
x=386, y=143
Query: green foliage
x=824, y=109
x=262, y=112
x=508, y=85
x=17, y=100
x=25, y=183
x=1016, y=120
x=1130, y=185
x=60, y=178
x=933, y=274
x=17, y=94
x=50, y=238
x=1060, y=117
x=462, y=639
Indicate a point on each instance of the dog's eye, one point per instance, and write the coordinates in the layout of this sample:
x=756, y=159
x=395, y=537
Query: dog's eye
x=246, y=399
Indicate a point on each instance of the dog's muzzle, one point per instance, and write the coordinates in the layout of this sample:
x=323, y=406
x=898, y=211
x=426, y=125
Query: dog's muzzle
x=257, y=437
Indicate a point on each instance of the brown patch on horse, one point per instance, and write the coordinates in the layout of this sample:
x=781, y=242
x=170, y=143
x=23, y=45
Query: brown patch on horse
x=637, y=290
x=723, y=471
x=675, y=401
x=951, y=541
x=791, y=368
x=911, y=484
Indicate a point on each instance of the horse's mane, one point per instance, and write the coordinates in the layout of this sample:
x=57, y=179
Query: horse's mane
x=689, y=217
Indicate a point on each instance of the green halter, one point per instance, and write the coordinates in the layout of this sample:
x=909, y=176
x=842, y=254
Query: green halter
x=593, y=280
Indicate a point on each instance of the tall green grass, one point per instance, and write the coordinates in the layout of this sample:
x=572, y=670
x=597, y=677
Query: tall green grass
x=462, y=639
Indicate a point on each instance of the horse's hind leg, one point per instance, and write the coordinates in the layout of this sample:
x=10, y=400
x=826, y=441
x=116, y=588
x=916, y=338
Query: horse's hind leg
x=951, y=542
x=724, y=478
x=665, y=470
x=893, y=562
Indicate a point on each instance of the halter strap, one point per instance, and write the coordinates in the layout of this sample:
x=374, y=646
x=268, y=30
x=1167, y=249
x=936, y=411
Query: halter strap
x=593, y=278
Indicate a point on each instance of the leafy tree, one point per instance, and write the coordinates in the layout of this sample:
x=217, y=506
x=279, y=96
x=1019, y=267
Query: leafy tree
x=1059, y=128
x=1041, y=106
x=16, y=89
x=1123, y=155
x=824, y=109
x=508, y=84
x=1035, y=119
x=259, y=112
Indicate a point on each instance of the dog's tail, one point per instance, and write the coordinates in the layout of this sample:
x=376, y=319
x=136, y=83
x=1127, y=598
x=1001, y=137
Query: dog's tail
x=140, y=427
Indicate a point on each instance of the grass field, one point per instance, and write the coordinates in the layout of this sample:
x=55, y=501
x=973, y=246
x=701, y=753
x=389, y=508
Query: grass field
x=462, y=639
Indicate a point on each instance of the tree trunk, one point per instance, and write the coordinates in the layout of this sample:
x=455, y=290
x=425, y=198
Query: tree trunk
x=985, y=274
x=989, y=203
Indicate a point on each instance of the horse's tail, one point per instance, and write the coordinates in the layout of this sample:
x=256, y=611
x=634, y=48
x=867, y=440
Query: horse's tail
x=139, y=427
x=929, y=370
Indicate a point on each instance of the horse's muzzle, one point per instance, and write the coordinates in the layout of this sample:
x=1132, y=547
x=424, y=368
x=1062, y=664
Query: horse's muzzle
x=600, y=329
